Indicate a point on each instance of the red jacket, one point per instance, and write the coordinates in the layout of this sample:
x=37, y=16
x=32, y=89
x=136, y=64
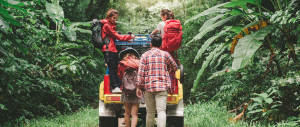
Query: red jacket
x=110, y=30
x=129, y=62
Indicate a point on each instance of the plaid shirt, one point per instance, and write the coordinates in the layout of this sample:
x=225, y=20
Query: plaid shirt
x=153, y=74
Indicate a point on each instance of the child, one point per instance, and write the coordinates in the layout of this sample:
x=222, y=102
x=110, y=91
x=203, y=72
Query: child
x=130, y=58
x=110, y=52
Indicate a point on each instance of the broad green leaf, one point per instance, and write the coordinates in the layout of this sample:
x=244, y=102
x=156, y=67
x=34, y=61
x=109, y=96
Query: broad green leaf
x=263, y=95
x=250, y=24
x=56, y=10
x=255, y=111
x=70, y=34
x=244, y=6
x=219, y=73
x=210, y=22
x=205, y=64
x=21, y=9
x=32, y=21
x=236, y=3
x=269, y=100
x=235, y=12
x=83, y=30
x=272, y=93
x=12, y=39
x=236, y=29
x=5, y=12
x=257, y=99
x=259, y=1
x=273, y=106
x=2, y=107
x=3, y=24
x=210, y=28
x=73, y=68
x=63, y=67
x=11, y=20
x=247, y=46
x=47, y=22
x=211, y=10
x=207, y=43
x=76, y=24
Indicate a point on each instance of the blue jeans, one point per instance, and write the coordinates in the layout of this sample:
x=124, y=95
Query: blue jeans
x=113, y=68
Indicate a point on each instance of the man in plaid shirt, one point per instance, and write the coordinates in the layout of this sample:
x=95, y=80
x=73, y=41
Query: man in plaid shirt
x=153, y=76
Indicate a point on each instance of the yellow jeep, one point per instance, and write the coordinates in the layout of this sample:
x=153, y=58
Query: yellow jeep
x=110, y=106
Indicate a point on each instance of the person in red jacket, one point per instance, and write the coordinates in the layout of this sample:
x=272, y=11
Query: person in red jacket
x=109, y=29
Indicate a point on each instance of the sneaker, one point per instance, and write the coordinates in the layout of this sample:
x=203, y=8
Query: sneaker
x=116, y=90
x=123, y=123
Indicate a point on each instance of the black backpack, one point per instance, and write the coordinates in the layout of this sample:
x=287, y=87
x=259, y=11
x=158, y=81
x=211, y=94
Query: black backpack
x=97, y=41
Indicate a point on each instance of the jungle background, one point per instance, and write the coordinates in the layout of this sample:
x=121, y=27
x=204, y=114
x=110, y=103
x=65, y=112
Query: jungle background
x=242, y=55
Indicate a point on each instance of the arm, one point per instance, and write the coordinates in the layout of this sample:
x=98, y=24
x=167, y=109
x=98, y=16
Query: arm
x=121, y=71
x=154, y=31
x=140, y=78
x=141, y=73
x=159, y=26
x=112, y=33
x=171, y=63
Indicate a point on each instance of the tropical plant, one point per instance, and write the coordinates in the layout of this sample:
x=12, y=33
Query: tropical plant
x=249, y=44
x=47, y=64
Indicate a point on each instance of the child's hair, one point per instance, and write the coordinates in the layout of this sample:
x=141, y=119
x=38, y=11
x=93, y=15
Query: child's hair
x=111, y=12
x=156, y=41
x=169, y=13
x=129, y=54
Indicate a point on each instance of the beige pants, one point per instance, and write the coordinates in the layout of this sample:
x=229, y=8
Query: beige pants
x=156, y=101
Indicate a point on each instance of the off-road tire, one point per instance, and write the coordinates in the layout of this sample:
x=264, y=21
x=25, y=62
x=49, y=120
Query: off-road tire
x=175, y=121
x=108, y=122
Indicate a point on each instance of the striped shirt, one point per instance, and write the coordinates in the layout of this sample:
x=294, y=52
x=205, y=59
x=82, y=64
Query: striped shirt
x=153, y=74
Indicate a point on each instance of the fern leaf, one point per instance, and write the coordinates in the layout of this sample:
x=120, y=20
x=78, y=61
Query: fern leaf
x=211, y=27
x=207, y=43
x=211, y=10
x=205, y=64
x=210, y=22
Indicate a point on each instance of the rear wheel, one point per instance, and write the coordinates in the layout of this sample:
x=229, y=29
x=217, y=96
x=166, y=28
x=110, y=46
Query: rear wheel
x=108, y=122
x=175, y=121
x=181, y=74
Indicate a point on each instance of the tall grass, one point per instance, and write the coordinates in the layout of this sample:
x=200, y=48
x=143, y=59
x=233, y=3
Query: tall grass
x=210, y=114
x=86, y=117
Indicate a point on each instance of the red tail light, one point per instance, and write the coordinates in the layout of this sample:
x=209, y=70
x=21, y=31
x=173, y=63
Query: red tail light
x=110, y=98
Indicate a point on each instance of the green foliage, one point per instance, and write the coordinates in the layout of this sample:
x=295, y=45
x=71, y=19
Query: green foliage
x=83, y=117
x=43, y=71
x=264, y=107
x=211, y=114
x=247, y=46
x=263, y=61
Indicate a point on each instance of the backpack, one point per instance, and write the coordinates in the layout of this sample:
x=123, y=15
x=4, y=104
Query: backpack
x=129, y=81
x=97, y=41
x=172, y=35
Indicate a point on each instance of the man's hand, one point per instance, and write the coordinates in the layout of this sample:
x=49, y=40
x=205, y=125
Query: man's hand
x=132, y=36
x=139, y=92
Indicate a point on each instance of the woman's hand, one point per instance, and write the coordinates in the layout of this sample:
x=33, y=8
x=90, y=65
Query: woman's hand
x=139, y=92
x=132, y=36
